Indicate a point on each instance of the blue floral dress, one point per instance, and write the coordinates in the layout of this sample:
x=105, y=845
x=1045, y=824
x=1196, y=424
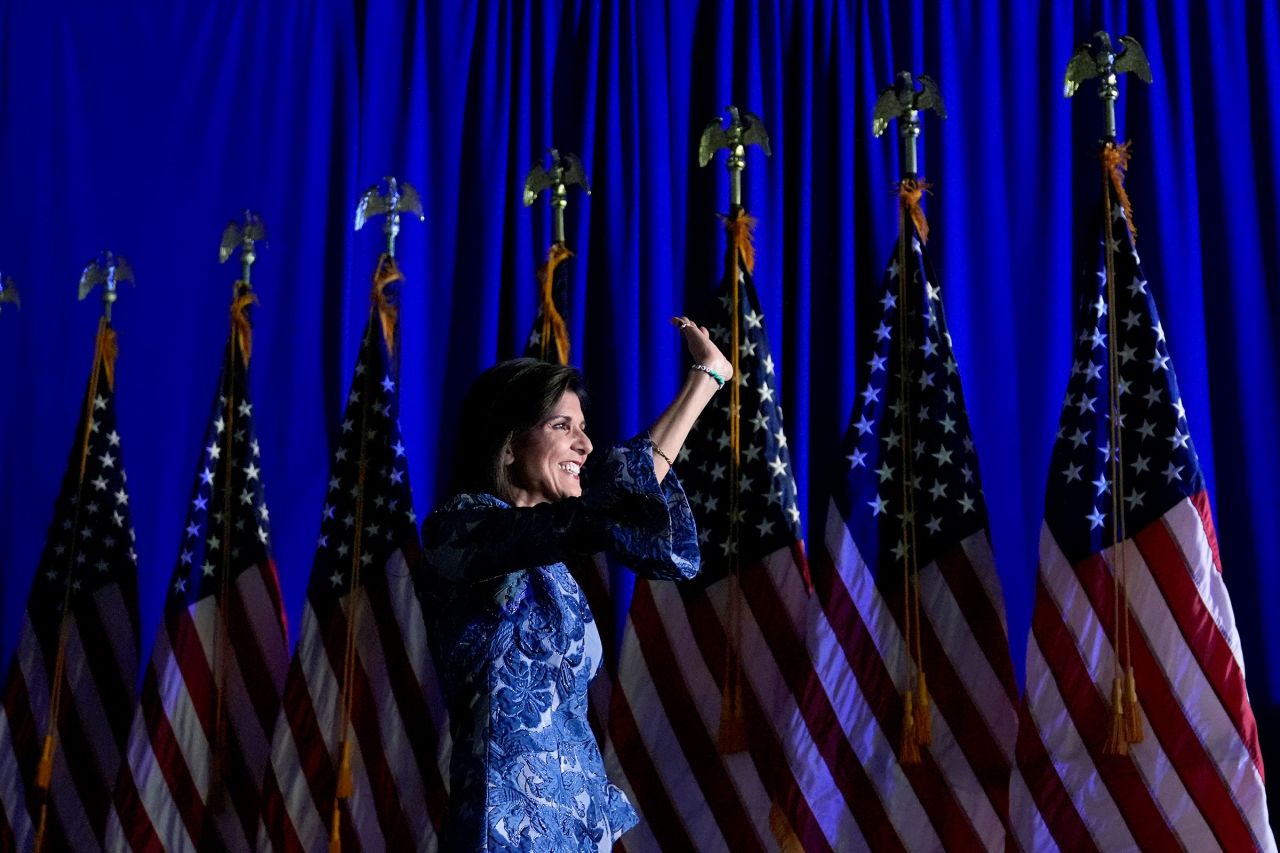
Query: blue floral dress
x=516, y=646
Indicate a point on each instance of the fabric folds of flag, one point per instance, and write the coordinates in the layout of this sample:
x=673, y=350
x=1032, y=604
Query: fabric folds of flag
x=77, y=654
x=201, y=736
x=549, y=338
x=710, y=731
x=1130, y=583
x=359, y=754
x=910, y=643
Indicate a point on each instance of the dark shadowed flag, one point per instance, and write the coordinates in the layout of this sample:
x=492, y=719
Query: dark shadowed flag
x=201, y=738
x=77, y=655
x=361, y=743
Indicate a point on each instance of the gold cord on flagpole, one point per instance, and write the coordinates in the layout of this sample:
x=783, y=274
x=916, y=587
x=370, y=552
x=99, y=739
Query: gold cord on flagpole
x=733, y=726
x=1126, y=722
x=105, y=349
x=385, y=274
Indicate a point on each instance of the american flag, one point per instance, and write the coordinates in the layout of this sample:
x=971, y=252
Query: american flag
x=909, y=467
x=363, y=618
x=201, y=737
x=1196, y=781
x=741, y=622
x=84, y=596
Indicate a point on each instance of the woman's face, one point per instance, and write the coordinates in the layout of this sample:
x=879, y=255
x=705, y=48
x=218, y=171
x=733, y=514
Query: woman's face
x=544, y=464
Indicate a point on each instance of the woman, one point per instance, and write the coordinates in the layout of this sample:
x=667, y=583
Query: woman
x=511, y=632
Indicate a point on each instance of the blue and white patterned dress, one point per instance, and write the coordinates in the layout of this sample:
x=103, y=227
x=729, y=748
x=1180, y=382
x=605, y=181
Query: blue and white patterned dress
x=516, y=646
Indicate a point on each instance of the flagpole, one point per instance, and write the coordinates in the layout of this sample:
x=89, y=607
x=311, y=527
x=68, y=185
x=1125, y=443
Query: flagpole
x=108, y=270
x=1099, y=59
x=563, y=173
x=399, y=197
x=243, y=238
x=904, y=103
x=743, y=129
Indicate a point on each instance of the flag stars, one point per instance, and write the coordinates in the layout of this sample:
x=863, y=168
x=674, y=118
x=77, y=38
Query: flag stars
x=1101, y=484
x=876, y=363
x=206, y=476
x=1131, y=320
x=100, y=484
x=947, y=423
x=885, y=471
x=1080, y=437
x=943, y=455
x=99, y=402
x=966, y=503
x=778, y=466
x=878, y=506
x=1072, y=473
x=1140, y=465
x=1096, y=519
x=251, y=472
x=1158, y=362
x=883, y=332
x=113, y=438
x=1179, y=439
x=1173, y=472
x=857, y=459
x=753, y=319
x=1134, y=499
x=760, y=421
x=767, y=361
x=863, y=426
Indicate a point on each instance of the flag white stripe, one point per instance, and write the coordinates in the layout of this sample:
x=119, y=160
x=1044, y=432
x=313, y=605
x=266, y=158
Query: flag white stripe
x=12, y=791
x=1027, y=826
x=1187, y=529
x=705, y=695
x=861, y=726
x=1194, y=690
x=968, y=659
x=807, y=764
x=982, y=562
x=636, y=681
x=397, y=750
x=1071, y=759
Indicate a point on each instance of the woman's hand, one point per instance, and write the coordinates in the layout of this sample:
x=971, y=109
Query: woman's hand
x=702, y=349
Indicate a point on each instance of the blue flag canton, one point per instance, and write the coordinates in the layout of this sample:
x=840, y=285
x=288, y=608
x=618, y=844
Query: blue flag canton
x=377, y=502
x=767, y=515
x=227, y=528
x=909, y=455
x=1155, y=459
x=90, y=540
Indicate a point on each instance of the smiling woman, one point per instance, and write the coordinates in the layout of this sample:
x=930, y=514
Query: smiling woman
x=511, y=632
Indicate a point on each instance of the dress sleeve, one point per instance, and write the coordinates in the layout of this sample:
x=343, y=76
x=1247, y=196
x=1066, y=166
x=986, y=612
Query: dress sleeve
x=625, y=510
x=661, y=540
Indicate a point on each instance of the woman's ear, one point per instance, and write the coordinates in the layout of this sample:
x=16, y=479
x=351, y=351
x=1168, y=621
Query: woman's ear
x=508, y=455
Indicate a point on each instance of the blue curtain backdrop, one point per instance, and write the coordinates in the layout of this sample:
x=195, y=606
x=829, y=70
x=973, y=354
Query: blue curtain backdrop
x=144, y=128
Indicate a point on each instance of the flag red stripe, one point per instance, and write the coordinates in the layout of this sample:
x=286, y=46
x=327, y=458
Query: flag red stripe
x=1179, y=740
x=259, y=680
x=770, y=760
x=81, y=761
x=1041, y=778
x=135, y=823
x=366, y=727
x=643, y=777
x=1171, y=573
x=110, y=681
x=412, y=704
x=1200, y=500
x=686, y=723
x=315, y=765
x=884, y=700
x=22, y=724
x=796, y=668
x=169, y=758
x=275, y=819
x=983, y=619
x=1091, y=717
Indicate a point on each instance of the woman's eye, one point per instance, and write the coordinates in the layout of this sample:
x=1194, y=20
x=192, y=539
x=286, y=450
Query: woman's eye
x=560, y=425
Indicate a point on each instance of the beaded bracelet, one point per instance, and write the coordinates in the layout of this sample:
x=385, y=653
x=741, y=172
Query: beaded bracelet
x=707, y=370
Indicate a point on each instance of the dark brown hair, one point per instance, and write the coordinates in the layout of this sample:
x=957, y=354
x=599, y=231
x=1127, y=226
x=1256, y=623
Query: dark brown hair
x=504, y=402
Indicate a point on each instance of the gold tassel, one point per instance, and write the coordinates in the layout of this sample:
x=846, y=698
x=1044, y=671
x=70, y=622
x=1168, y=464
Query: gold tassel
x=782, y=831
x=553, y=323
x=740, y=227
x=335, y=831
x=909, y=194
x=240, y=320
x=44, y=772
x=923, y=715
x=110, y=349
x=387, y=273
x=1132, y=716
x=344, y=772
x=1116, y=743
x=1115, y=159
x=909, y=750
